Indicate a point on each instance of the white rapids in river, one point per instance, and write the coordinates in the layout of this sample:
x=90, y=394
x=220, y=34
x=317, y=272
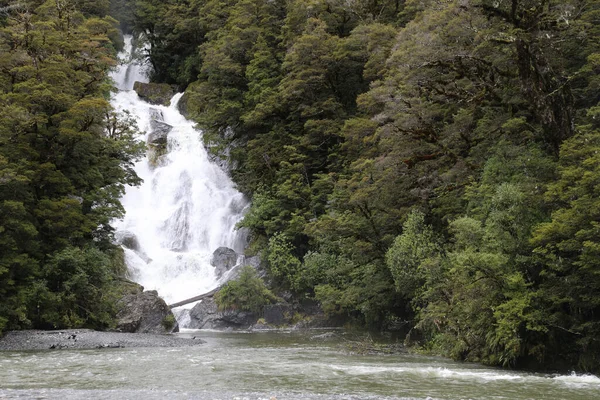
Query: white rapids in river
x=186, y=207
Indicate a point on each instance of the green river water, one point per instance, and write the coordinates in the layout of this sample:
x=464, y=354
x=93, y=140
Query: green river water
x=270, y=365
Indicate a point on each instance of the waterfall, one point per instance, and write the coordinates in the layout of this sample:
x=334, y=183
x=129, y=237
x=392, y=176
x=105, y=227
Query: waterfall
x=186, y=207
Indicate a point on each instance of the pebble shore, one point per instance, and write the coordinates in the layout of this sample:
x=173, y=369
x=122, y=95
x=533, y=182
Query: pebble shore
x=88, y=339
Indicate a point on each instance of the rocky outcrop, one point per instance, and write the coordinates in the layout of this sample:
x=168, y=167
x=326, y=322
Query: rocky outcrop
x=205, y=315
x=127, y=239
x=182, y=105
x=255, y=261
x=223, y=259
x=154, y=93
x=158, y=137
x=277, y=314
x=144, y=312
x=159, y=133
x=130, y=241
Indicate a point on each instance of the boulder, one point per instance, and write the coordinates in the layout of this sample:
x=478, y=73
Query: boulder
x=159, y=132
x=223, y=259
x=145, y=312
x=130, y=241
x=158, y=137
x=205, y=315
x=154, y=93
x=127, y=239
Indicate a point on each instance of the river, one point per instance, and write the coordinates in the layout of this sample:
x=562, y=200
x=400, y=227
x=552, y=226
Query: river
x=270, y=365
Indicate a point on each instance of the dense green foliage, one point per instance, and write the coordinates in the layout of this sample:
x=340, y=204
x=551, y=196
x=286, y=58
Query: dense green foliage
x=424, y=161
x=247, y=292
x=65, y=157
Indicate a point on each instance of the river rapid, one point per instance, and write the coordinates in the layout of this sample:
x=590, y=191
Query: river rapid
x=270, y=365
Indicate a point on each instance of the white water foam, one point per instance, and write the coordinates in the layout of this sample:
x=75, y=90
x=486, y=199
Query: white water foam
x=186, y=207
x=431, y=372
x=130, y=68
x=576, y=380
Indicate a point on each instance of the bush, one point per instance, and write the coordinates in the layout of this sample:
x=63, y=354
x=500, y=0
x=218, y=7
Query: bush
x=247, y=293
x=168, y=322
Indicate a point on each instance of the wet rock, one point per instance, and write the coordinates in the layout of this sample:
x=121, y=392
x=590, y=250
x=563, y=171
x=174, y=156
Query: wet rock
x=159, y=133
x=256, y=263
x=130, y=241
x=145, y=312
x=156, y=114
x=180, y=228
x=154, y=93
x=277, y=314
x=205, y=315
x=178, y=224
x=158, y=137
x=182, y=105
x=127, y=239
x=144, y=257
x=223, y=259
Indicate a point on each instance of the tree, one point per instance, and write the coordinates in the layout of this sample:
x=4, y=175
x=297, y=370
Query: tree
x=247, y=293
x=65, y=157
x=568, y=250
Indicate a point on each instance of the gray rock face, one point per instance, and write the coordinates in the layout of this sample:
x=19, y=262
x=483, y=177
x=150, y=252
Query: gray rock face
x=159, y=133
x=182, y=105
x=158, y=137
x=255, y=261
x=145, y=312
x=156, y=114
x=154, y=93
x=223, y=259
x=277, y=314
x=205, y=315
x=127, y=239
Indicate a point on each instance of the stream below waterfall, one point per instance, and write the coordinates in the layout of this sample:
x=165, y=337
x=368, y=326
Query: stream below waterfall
x=270, y=365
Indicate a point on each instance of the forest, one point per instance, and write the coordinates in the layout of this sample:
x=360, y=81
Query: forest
x=428, y=166
x=65, y=158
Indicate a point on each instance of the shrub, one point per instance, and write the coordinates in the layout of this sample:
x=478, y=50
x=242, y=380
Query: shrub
x=168, y=322
x=247, y=293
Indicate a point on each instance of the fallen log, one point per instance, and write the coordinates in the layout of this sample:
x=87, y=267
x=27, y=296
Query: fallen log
x=195, y=298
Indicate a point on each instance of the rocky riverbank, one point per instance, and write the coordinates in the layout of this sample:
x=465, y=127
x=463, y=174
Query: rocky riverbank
x=88, y=339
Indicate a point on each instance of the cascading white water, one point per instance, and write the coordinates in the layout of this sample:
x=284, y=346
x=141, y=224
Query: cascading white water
x=186, y=207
